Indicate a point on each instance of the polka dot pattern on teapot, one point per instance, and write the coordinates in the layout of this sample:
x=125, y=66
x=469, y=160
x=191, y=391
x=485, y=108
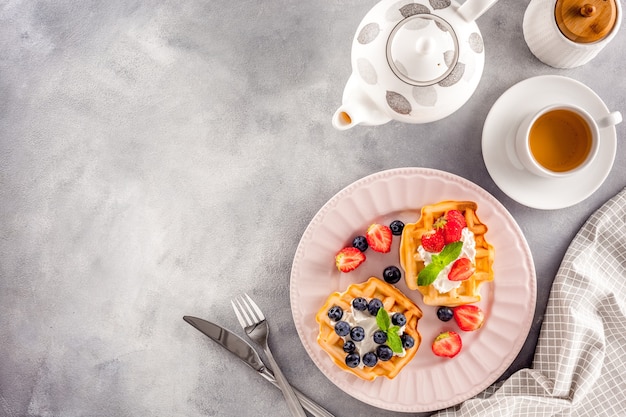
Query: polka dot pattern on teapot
x=413, y=61
x=426, y=95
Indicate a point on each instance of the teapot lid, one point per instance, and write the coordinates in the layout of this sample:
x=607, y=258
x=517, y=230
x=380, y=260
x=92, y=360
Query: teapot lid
x=422, y=49
x=586, y=21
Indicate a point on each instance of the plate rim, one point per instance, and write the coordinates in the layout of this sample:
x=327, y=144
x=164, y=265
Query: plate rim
x=498, y=208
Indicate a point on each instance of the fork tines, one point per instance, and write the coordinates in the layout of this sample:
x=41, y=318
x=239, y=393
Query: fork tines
x=246, y=310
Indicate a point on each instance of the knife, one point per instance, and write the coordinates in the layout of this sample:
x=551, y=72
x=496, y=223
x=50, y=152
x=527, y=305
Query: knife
x=244, y=351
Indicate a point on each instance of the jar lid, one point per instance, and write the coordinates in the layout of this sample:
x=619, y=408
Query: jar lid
x=422, y=49
x=585, y=21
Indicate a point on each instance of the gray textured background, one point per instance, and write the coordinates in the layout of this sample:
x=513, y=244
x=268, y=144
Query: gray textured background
x=160, y=157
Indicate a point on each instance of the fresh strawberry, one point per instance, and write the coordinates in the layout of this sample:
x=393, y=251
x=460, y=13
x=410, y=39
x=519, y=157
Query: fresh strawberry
x=455, y=215
x=348, y=259
x=452, y=232
x=432, y=241
x=379, y=237
x=447, y=344
x=461, y=270
x=469, y=317
x=453, y=224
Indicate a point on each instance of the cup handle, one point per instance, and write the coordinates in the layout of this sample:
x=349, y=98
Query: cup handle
x=611, y=120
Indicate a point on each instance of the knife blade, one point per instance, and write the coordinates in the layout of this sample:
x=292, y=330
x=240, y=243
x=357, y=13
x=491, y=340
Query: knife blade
x=244, y=351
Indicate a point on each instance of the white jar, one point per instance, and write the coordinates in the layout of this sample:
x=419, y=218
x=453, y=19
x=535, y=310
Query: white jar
x=570, y=33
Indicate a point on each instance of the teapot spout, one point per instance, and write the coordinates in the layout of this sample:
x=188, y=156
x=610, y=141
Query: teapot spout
x=357, y=108
x=352, y=114
x=342, y=119
x=349, y=115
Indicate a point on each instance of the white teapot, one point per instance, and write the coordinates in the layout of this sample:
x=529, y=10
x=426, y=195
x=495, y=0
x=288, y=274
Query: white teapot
x=413, y=61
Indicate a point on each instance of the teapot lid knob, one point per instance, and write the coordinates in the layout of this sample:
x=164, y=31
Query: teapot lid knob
x=586, y=21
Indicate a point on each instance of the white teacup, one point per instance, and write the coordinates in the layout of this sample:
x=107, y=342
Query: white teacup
x=560, y=140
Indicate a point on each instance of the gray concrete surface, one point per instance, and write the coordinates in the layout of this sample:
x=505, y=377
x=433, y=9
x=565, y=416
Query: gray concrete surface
x=159, y=157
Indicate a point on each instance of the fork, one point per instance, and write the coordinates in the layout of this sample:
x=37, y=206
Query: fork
x=253, y=322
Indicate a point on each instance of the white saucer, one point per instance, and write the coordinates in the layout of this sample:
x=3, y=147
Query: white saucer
x=499, y=131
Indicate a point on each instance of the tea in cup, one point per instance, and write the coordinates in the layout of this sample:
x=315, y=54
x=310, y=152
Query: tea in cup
x=560, y=140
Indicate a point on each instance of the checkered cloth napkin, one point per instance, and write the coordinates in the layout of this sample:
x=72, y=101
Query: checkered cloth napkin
x=579, y=367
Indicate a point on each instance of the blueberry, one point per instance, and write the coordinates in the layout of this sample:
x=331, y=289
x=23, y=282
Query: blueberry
x=398, y=319
x=335, y=313
x=357, y=333
x=396, y=227
x=360, y=242
x=380, y=337
x=342, y=328
x=392, y=274
x=349, y=346
x=407, y=341
x=445, y=313
x=359, y=303
x=374, y=305
x=370, y=359
x=352, y=360
x=384, y=352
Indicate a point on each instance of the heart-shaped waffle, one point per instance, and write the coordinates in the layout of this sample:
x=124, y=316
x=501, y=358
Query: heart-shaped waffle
x=412, y=263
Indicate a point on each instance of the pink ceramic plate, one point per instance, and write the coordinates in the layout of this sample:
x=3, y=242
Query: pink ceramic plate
x=428, y=382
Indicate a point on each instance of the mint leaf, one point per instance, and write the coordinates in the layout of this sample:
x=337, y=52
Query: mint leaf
x=384, y=323
x=428, y=275
x=394, y=341
x=382, y=319
x=450, y=252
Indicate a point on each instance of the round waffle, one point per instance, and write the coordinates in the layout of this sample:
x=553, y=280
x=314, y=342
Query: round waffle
x=412, y=262
x=393, y=301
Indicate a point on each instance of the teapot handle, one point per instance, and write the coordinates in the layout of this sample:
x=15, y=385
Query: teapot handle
x=473, y=9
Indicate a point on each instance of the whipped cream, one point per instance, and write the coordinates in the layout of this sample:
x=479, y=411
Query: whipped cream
x=442, y=283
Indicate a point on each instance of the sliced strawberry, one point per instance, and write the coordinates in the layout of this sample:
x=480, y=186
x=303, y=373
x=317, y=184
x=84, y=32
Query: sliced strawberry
x=379, y=237
x=469, y=317
x=447, y=344
x=348, y=259
x=461, y=270
x=432, y=241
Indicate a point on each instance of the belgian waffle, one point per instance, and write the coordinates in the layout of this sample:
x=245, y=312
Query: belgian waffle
x=412, y=263
x=393, y=301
